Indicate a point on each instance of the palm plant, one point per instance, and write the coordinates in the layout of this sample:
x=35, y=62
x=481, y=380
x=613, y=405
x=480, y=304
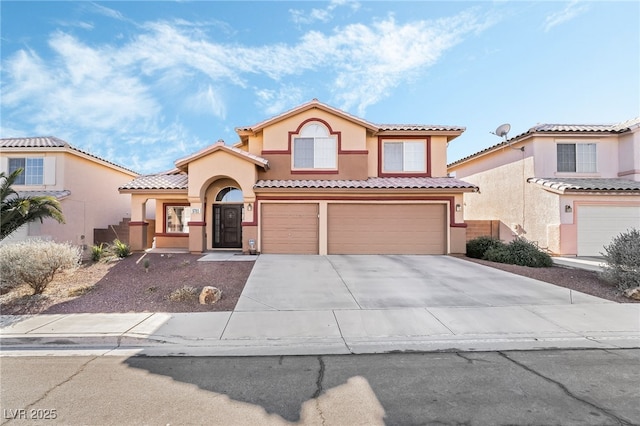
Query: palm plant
x=16, y=211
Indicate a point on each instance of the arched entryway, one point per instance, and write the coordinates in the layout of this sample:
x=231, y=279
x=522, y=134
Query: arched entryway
x=227, y=218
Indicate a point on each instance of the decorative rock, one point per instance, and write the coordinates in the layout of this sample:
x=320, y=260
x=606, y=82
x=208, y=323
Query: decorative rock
x=210, y=295
x=633, y=293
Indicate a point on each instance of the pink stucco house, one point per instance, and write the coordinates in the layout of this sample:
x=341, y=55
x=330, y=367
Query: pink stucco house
x=85, y=185
x=312, y=180
x=569, y=188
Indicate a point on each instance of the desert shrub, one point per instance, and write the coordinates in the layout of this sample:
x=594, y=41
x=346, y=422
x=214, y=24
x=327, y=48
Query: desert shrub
x=35, y=262
x=477, y=247
x=97, y=251
x=121, y=249
x=519, y=252
x=184, y=294
x=622, y=260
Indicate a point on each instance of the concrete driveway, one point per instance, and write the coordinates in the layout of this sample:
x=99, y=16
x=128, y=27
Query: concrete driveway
x=368, y=282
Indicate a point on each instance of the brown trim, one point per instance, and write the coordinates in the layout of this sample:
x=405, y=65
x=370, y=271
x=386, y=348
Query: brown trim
x=338, y=134
x=164, y=218
x=200, y=223
x=177, y=235
x=139, y=223
x=451, y=200
x=314, y=172
x=254, y=223
x=401, y=174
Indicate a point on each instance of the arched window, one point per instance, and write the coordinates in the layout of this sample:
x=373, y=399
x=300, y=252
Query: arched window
x=315, y=148
x=230, y=195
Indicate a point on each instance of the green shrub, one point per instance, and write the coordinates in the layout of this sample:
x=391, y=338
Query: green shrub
x=97, y=252
x=121, y=249
x=622, y=257
x=477, y=247
x=35, y=262
x=519, y=252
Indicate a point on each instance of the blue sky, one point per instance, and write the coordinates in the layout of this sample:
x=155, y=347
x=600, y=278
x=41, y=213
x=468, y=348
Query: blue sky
x=145, y=83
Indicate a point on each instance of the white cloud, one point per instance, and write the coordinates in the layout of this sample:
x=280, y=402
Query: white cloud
x=127, y=91
x=302, y=17
x=570, y=11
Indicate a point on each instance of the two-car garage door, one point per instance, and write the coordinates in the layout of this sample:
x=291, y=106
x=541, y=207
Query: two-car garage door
x=355, y=228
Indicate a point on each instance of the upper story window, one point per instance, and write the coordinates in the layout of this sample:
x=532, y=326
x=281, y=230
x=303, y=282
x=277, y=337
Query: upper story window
x=177, y=219
x=33, y=173
x=404, y=157
x=315, y=148
x=577, y=157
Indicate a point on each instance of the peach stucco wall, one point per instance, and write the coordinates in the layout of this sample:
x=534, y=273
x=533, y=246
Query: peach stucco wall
x=94, y=201
x=629, y=156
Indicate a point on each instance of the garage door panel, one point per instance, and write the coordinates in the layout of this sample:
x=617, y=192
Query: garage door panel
x=598, y=225
x=386, y=229
x=290, y=228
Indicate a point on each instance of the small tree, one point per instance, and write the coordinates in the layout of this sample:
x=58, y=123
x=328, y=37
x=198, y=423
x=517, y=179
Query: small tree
x=16, y=211
x=622, y=258
x=36, y=262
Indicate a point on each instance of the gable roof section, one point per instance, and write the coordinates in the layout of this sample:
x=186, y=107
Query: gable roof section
x=617, y=128
x=46, y=142
x=220, y=146
x=371, y=183
x=564, y=185
x=170, y=180
x=374, y=128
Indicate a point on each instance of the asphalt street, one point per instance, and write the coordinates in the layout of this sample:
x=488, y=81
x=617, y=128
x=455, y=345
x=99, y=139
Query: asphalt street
x=565, y=387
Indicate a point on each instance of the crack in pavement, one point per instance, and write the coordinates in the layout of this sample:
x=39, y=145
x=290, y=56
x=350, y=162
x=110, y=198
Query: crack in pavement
x=65, y=381
x=567, y=392
x=318, y=391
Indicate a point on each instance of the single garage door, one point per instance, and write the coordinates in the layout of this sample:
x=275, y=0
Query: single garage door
x=598, y=225
x=387, y=229
x=290, y=228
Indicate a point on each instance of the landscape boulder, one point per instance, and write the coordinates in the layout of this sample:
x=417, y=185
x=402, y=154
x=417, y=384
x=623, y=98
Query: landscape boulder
x=633, y=293
x=210, y=295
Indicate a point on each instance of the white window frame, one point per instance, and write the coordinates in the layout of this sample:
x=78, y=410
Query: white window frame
x=182, y=227
x=585, y=157
x=33, y=171
x=414, y=156
x=324, y=154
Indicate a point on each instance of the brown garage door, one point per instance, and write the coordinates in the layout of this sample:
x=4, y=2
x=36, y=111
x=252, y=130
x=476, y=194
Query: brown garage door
x=387, y=229
x=290, y=228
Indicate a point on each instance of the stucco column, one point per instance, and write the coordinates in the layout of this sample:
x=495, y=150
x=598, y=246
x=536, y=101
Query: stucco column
x=197, y=226
x=138, y=225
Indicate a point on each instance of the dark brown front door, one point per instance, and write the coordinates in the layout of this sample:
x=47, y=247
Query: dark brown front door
x=227, y=224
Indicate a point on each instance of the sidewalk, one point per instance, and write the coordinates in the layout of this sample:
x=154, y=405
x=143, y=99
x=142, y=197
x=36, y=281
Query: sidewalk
x=606, y=326
x=505, y=316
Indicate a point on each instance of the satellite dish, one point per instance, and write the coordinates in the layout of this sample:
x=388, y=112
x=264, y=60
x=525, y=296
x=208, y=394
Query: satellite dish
x=503, y=130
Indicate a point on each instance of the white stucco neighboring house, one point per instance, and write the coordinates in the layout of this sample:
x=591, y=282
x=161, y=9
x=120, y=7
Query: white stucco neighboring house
x=569, y=188
x=85, y=185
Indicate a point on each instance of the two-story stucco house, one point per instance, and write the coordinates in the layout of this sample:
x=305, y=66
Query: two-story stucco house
x=85, y=185
x=312, y=180
x=570, y=188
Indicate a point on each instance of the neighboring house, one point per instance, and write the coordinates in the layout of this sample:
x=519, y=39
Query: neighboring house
x=85, y=185
x=312, y=180
x=569, y=188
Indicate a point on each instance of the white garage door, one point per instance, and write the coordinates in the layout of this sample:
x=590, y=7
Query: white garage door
x=598, y=225
x=387, y=229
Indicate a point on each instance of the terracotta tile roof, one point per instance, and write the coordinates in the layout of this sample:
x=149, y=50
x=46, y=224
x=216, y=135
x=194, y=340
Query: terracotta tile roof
x=370, y=183
x=220, y=145
x=588, y=184
x=173, y=179
x=59, y=195
x=40, y=142
x=622, y=127
x=421, y=127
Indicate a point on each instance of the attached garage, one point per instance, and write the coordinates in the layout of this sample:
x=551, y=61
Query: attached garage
x=290, y=228
x=598, y=225
x=387, y=229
